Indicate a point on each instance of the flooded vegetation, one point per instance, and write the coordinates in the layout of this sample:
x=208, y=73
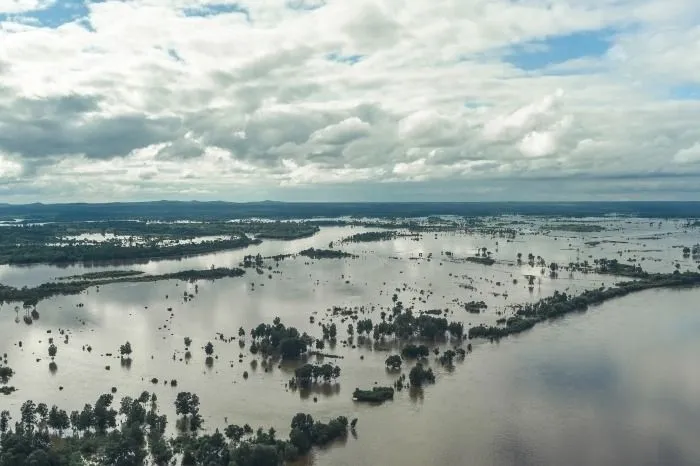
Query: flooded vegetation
x=385, y=321
x=53, y=243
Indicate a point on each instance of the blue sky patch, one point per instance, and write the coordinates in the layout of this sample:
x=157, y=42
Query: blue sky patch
x=537, y=54
x=347, y=59
x=59, y=13
x=305, y=5
x=687, y=91
x=476, y=103
x=217, y=9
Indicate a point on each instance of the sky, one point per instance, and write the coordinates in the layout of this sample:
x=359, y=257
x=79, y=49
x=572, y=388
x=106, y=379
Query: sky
x=340, y=100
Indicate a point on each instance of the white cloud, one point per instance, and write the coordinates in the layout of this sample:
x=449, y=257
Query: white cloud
x=522, y=120
x=688, y=155
x=341, y=133
x=543, y=143
x=9, y=168
x=338, y=92
x=22, y=6
x=429, y=128
x=412, y=169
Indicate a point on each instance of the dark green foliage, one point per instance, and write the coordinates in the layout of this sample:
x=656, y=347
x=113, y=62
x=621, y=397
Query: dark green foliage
x=187, y=405
x=292, y=348
x=364, y=326
x=404, y=325
x=103, y=275
x=6, y=374
x=322, y=434
x=46, y=290
x=144, y=397
x=376, y=395
x=419, y=375
x=276, y=339
x=481, y=260
x=30, y=443
x=58, y=420
x=47, y=242
x=574, y=227
x=371, y=236
x=312, y=253
x=253, y=261
x=4, y=421
x=456, y=329
x=308, y=374
x=613, y=267
x=104, y=416
x=303, y=422
x=413, y=352
x=528, y=315
x=110, y=251
x=262, y=448
x=447, y=357
x=393, y=362
x=475, y=307
x=301, y=440
x=234, y=432
x=125, y=349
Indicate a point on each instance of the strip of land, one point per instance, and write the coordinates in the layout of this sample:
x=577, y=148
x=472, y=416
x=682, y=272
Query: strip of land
x=31, y=296
x=528, y=315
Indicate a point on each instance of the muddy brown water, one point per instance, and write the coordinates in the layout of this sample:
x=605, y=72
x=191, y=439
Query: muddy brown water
x=618, y=384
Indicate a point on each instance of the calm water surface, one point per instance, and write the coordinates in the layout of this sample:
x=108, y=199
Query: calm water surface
x=619, y=384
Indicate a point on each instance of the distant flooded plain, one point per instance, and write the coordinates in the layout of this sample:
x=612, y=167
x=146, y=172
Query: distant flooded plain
x=617, y=384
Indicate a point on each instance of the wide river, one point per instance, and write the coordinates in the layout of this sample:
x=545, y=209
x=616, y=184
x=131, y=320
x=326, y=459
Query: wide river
x=617, y=385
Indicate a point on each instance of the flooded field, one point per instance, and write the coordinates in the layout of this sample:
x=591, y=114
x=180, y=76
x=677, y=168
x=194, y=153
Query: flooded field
x=615, y=385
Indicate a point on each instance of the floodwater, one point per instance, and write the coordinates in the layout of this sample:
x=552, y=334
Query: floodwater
x=618, y=384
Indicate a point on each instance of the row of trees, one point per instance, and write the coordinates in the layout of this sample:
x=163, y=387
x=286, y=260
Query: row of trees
x=528, y=315
x=135, y=433
x=307, y=374
x=30, y=296
x=402, y=324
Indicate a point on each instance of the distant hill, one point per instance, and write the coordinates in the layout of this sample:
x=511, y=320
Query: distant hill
x=196, y=210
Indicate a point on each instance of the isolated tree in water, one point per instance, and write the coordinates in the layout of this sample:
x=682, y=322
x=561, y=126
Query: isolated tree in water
x=125, y=349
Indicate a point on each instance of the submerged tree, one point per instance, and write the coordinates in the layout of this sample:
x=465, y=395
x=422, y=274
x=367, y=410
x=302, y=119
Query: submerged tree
x=394, y=362
x=125, y=349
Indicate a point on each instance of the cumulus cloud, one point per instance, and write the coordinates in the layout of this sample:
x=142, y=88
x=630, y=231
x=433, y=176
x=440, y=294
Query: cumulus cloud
x=341, y=133
x=688, y=155
x=522, y=120
x=215, y=97
x=429, y=128
x=21, y=6
x=9, y=168
x=543, y=143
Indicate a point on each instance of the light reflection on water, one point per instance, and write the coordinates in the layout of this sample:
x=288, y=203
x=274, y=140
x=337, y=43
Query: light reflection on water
x=616, y=385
